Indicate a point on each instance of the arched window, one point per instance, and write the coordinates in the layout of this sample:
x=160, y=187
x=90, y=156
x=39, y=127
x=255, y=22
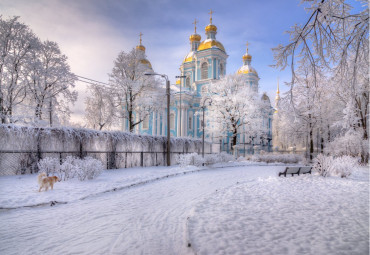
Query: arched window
x=146, y=122
x=222, y=69
x=190, y=124
x=204, y=71
x=172, y=121
x=187, y=82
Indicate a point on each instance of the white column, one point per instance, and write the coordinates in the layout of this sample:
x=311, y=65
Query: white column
x=164, y=122
x=178, y=121
x=195, y=126
x=184, y=122
x=154, y=123
x=159, y=123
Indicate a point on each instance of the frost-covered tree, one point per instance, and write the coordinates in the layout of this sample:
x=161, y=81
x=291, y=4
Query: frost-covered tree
x=334, y=40
x=135, y=94
x=16, y=43
x=50, y=81
x=100, y=110
x=34, y=77
x=234, y=105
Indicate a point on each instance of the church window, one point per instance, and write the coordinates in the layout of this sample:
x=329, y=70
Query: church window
x=172, y=121
x=204, y=71
x=190, y=124
x=221, y=69
x=146, y=123
x=187, y=82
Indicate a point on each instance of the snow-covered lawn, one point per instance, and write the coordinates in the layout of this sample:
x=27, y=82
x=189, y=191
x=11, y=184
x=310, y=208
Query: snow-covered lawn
x=297, y=215
x=231, y=210
x=22, y=190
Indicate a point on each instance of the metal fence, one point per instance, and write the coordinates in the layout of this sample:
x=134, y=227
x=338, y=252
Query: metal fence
x=25, y=162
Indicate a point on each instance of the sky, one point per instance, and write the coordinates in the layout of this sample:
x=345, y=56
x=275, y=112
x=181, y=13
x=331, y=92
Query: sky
x=91, y=33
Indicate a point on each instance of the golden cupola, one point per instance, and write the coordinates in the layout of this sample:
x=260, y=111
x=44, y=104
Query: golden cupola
x=194, y=41
x=211, y=42
x=140, y=46
x=141, y=53
x=247, y=68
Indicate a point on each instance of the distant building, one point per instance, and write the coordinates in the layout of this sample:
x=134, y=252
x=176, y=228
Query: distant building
x=205, y=62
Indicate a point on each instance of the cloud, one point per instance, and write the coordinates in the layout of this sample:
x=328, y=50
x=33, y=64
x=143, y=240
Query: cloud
x=92, y=32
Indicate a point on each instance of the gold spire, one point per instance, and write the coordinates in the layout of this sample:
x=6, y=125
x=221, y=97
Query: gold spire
x=277, y=98
x=210, y=19
x=140, y=46
x=195, y=25
x=195, y=36
x=247, y=56
x=141, y=34
x=211, y=27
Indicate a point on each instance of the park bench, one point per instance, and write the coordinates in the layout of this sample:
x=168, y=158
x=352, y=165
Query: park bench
x=296, y=170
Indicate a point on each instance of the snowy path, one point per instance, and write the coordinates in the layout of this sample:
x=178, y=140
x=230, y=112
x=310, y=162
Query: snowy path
x=148, y=219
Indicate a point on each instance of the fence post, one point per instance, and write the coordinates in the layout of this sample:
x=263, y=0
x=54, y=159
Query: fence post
x=60, y=158
x=142, y=158
x=108, y=156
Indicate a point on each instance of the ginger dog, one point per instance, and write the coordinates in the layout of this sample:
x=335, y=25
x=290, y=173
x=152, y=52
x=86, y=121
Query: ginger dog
x=46, y=182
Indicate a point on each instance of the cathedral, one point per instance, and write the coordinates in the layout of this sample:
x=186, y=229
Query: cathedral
x=205, y=63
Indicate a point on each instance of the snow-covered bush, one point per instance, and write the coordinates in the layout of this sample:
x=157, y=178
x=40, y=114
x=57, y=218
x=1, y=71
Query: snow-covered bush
x=341, y=166
x=344, y=166
x=323, y=165
x=241, y=159
x=191, y=159
x=68, y=169
x=88, y=168
x=281, y=158
x=211, y=159
x=49, y=165
x=225, y=157
x=350, y=144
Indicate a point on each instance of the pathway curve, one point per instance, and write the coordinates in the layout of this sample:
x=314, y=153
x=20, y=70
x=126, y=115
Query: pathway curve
x=148, y=219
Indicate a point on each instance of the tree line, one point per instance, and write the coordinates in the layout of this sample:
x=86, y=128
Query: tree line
x=36, y=83
x=328, y=99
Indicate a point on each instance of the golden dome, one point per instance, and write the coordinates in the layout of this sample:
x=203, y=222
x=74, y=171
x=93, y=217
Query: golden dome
x=195, y=37
x=189, y=57
x=146, y=62
x=178, y=82
x=211, y=27
x=140, y=47
x=246, y=69
x=247, y=57
x=210, y=43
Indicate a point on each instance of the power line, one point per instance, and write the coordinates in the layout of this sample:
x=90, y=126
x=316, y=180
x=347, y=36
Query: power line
x=90, y=81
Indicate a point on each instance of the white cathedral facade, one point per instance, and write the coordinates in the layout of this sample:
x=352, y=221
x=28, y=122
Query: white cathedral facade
x=205, y=62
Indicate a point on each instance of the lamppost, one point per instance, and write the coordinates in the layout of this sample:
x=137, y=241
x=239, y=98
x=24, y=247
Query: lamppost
x=203, y=123
x=180, y=76
x=168, y=115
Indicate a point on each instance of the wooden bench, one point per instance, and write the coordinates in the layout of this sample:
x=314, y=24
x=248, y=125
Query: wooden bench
x=296, y=170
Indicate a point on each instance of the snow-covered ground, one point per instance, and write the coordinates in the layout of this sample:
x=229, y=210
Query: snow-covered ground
x=300, y=215
x=231, y=210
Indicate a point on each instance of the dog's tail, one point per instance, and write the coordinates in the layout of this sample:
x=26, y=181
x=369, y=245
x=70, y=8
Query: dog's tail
x=40, y=177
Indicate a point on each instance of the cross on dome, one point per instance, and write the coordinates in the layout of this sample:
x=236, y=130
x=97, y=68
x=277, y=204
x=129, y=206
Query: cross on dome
x=210, y=13
x=195, y=25
x=247, y=46
x=141, y=34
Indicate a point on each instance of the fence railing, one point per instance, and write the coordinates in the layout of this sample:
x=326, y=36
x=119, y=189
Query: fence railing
x=25, y=162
